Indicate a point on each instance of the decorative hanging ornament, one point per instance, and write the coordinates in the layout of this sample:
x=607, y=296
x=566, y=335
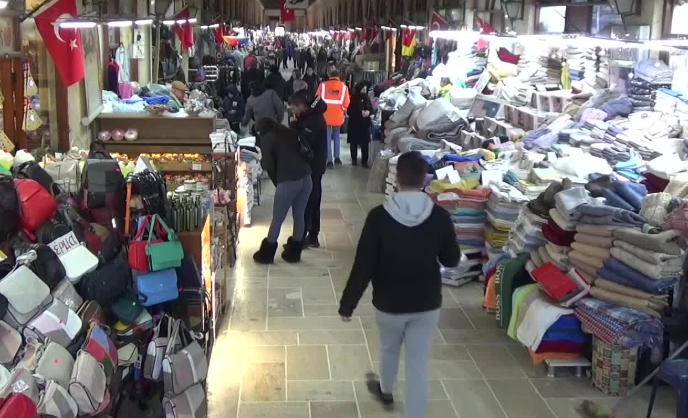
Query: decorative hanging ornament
x=6, y=142
x=30, y=87
x=31, y=121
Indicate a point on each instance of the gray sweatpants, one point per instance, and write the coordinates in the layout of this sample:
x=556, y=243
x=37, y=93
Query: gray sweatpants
x=290, y=194
x=415, y=331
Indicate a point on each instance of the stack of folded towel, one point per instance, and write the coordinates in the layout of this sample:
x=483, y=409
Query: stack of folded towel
x=593, y=243
x=391, y=179
x=526, y=234
x=503, y=208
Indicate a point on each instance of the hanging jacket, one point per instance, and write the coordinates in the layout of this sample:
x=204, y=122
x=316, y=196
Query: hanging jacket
x=335, y=93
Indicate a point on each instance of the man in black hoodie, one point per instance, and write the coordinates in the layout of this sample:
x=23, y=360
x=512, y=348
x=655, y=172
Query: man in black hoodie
x=308, y=118
x=400, y=247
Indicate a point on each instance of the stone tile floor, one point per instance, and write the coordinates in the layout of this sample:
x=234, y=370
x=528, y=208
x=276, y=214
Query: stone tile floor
x=283, y=352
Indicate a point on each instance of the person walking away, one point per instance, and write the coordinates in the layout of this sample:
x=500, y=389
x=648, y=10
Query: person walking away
x=311, y=78
x=294, y=84
x=252, y=74
x=279, y=56
x=234, y=107
x=291, y=174
x=275, y=81
x=263, y=103
x=290, y=54
x=336, y=95
x=359, y=125
x=322, y=62
x=301, y=59
x=407, y=284
x=309, y=120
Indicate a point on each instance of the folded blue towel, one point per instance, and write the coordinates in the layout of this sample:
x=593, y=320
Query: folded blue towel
x=564, y=336
x=618, y=272
x=615, y=200
x=633, y=193
x=609, y=215
x=157, y=99
x=566, y=322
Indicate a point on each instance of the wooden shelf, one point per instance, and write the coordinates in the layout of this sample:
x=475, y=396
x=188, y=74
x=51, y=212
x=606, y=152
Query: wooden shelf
x=184, y=167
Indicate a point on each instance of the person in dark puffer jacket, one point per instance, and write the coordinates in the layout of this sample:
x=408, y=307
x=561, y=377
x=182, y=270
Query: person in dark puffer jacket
x=401, y=246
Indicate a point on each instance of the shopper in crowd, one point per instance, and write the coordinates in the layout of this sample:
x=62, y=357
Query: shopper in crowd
x=359, y=125
x=275, y=81
x=322, y=62
x=254, y=73
x=234, y=107
x=279, y=56
x=263, y=103
x=294, y=84
x=291, y=174
x=309, y=121
x=407, y=285
x=178, y=93
x=336, y=95
x=301, y=59
x=311, y=78
x=310, y=58
x=290, y=54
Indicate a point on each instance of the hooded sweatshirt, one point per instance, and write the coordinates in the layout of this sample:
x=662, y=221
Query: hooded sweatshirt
x=402, y=245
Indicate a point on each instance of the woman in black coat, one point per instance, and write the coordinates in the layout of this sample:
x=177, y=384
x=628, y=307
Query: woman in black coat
x=359, y=125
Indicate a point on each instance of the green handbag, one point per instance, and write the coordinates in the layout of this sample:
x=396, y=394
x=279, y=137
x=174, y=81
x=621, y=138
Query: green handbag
x=127, y=307
x=163, y=255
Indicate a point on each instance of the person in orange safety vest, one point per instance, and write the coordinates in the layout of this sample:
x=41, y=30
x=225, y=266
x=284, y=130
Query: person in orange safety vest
x=335, y=94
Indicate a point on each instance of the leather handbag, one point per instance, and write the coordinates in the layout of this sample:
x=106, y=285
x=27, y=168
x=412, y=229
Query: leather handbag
x=57, y=323
x=36, y=205
x=29, y=354
x=21, y=381
x=67, y=294
x=51, y=230
x=163, y=255
x=55, y=363
x=17, y=405
x=100, y=346
x=31, y=170
x=192, y=403
x=156, y=287
x=77, y=262
x=128, y=355
x=102, y=242
x=91, y=312
x=56, y=401
x=10, y=343
x=26, y=294
x=186, y=367
x=108, y=282
x=155, y=351
x=138, y=259
x=136, y=331
x=126, y=307
x=88, y=385
x=65, y=174
x=46, y=265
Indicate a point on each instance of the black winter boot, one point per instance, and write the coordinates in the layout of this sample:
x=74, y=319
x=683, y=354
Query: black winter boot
x=292, y=251
x=266, y=254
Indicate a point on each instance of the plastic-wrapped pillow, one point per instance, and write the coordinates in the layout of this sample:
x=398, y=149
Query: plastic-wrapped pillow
x=104, y=136
x=414, y=99
x=131, y=135
x=117, y=135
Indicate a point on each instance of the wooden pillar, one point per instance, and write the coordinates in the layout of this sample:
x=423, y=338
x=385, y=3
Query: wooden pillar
x=357, y=15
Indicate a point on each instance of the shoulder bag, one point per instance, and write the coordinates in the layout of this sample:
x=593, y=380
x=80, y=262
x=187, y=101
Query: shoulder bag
x=88, y=385
x=55, y=363
x=17, y=405
x=100, y=346
x=26, y=294
x=106, y=283
x=21, y=381
x=36, y=205
x=67, y=294
x=156, y=287
x=56, y=401
x=57, y=323
x=186, y=367
x=155, y=351
x=138, y=258
x=126, y=307
x=65, y=174
x=163, y=255
x=31, y=170
x=46, y=265
x=90, y=312
x=10, y=343
x=77, y=262
x=192, y=403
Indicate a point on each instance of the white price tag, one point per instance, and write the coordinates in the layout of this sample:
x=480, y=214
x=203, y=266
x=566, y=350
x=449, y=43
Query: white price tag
x=196, y=166
x=551, y=157
x=454, y=177
x=443, y=172
x=63, y=244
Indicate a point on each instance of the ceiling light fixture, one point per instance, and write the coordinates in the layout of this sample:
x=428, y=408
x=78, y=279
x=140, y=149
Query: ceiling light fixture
x=142, y=22
x=77, y=24
x=192, y=20
x=120, y=24
x=181, y=21
x=168, y=22
x=3, y=4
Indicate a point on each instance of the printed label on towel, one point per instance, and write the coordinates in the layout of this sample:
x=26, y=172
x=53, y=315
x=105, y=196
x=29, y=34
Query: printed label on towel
x=196, y=166
x=63, y=244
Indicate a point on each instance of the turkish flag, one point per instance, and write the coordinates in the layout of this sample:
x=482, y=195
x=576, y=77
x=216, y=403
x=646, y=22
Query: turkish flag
x=287, y=15
x=184, y=30
x=484, y=26
x=437, y=22
x=219, y=33
x=64, y=45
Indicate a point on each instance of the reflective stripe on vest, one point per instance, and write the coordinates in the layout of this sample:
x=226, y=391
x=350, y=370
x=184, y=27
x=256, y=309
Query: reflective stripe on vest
x=339, y=102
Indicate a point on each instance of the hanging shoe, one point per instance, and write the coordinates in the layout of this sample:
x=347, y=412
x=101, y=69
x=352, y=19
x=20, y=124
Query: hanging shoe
x=266, y=253
x=292, y=251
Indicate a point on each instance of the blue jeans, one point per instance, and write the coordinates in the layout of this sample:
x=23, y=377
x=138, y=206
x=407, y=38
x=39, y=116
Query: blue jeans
x=415, y=331
x=333, y=136
x=290, y=194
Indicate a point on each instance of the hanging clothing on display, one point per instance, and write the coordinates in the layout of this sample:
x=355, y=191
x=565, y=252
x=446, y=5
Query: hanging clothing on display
x=122, y=56
x=112, y=76
x=408, y=42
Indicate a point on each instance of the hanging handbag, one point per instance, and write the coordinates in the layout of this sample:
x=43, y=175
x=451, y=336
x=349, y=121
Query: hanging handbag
x=55, y=363
x=65, y=174
x=138, y=259
x=57, y=323
x=100, y=346
x=126, y=307
x=36, y=205
x=56, y=401
x=156, y=287
x=163, y=255
x=77, y=262
x=186, y=367
x=88, y=385
x=67, y=294
x=26, y=294
x=10, y=343
x=17, y=405
x=192, y=403
x=128, y=355
x=106, y=283
x=155, y=351
x=90, y=312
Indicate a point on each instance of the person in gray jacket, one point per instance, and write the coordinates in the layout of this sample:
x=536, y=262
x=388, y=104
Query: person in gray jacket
x=263, y=103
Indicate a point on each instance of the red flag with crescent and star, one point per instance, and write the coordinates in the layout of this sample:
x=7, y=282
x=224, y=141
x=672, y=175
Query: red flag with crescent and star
x=437, y=22
x=63, y=44
x=184, y=30
x=287, y=15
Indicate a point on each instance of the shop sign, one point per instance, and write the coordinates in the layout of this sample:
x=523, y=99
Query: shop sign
x=63, y=244
x=7, y=41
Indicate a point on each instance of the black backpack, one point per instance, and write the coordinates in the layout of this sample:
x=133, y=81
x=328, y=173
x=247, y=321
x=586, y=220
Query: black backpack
x=108, y=282
x=9, y=209
x=47, y=265
x=33, y=171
